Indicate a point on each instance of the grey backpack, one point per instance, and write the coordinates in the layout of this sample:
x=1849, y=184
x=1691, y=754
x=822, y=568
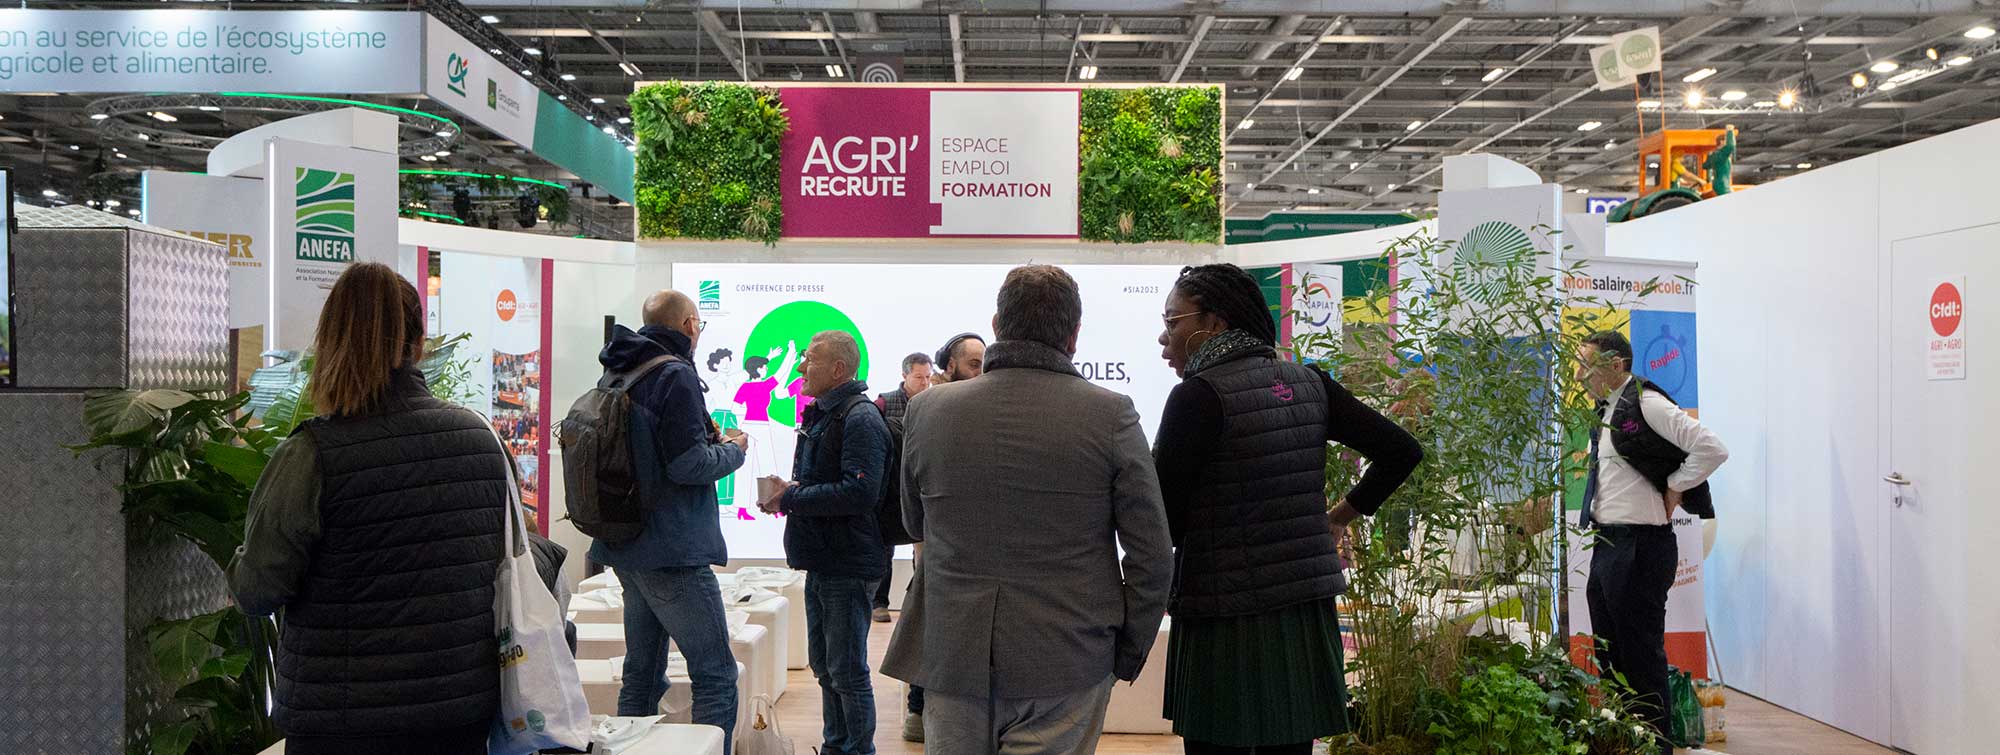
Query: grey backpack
x=600, y=488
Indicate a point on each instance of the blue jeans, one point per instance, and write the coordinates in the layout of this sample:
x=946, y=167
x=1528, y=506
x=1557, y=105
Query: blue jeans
x=684, y=605
x=837, y=616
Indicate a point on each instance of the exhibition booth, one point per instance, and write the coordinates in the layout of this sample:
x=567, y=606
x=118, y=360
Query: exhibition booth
x=893, y=213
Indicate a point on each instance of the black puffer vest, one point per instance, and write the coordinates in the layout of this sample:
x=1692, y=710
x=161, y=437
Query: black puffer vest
x=1651, y=455
x=1257, y=536
x=392, y=630
x=895, y=403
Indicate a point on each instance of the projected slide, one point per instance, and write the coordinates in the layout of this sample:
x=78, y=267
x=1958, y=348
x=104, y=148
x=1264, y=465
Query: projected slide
x=760, y=319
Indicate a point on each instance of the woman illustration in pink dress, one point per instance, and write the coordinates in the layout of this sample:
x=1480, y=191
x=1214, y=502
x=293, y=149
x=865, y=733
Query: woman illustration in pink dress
x=756, y=395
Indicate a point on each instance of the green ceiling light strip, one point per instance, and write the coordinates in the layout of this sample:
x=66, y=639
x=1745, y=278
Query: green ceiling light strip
x=466, y=174
x=439, y=216
x=356, y=103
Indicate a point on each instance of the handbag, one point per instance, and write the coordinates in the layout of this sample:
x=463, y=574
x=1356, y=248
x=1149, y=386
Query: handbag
x=542, y=706
x=764, y=737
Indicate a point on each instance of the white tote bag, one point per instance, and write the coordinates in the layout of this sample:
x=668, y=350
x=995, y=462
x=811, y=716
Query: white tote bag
x=541, y=698
x=764, y=737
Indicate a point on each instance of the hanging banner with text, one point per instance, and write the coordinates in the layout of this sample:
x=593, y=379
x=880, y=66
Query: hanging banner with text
x=1315, y=309
x=917, y=162
x=223, y=210
x=1651, y=302
x=1944, y=349
x=329, y=207
x=320, y=51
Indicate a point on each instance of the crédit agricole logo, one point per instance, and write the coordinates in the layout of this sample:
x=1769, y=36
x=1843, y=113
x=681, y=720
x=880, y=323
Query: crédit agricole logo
x=456, y=68
x=325, y=216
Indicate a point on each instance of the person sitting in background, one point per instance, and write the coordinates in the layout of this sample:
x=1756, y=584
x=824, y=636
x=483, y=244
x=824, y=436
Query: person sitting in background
x=1023, y=484
x=377, y=529
x=1254, y=663
x=916, y=378
x=831, y=535
x=677, y=455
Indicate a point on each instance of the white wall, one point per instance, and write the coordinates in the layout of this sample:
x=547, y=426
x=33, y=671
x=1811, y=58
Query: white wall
x=1793, y=315
x=1357, y=245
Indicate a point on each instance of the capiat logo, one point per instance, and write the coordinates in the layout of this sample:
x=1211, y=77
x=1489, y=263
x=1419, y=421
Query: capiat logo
x=1320, y=307
x=711, y=296
x=455, y=70
x=325, y=215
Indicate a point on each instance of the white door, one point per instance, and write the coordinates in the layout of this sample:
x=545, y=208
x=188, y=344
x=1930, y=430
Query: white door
x=1933, y=496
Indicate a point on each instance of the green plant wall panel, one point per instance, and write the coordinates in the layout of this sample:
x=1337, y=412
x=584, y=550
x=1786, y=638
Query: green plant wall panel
x=708, y=161
x=1150, y=161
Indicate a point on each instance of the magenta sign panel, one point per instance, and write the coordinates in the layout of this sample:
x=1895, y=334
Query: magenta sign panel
x=856, y=163
x=920, y=162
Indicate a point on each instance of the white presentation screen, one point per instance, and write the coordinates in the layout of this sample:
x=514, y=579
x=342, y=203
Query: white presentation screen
x=760, y=318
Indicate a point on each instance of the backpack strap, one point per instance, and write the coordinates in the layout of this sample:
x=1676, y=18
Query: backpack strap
x=624, y=380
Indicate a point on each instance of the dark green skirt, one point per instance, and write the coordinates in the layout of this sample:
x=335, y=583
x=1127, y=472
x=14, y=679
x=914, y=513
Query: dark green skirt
x=1273, y=678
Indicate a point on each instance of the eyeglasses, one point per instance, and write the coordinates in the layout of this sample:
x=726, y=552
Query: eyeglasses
x=1170, y=319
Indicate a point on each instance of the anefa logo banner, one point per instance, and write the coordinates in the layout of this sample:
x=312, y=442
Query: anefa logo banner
x=915, y=162
x=317, y=51
x=325, y=215
x=329, y=207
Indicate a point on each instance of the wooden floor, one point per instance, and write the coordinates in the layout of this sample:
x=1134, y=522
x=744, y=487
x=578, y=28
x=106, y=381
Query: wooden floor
x=1755, y=727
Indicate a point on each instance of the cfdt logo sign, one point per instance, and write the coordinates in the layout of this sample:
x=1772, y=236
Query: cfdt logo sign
x=1947, y=309
x=506, y=305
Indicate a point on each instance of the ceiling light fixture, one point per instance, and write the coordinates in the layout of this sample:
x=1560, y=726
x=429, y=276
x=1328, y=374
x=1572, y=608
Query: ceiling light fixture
x=494, y=50
x=1697, y=76
x=532, y=50
x=569, y=77
x=1580, y=190
x=624, y=120
x=610, y=130
x=1246, y=123
x=527, y=72
x=1979, y=32
x=1888, y=85
x=1609, y=143
x=1931, y=53
x=75, y=148
x=1694, y=98
x=562, y=98
x=120, y=155
x=1859, y=80
x=628, y=68
x=50, y=193
x=1787, y=98
x=1958, y=61
x=1313, y=190
x=1734, y=95
x=490, y=19
x=210, y=109
x=98, y=116
x=1414, y=125
x=1884, y=66
x=145, y=137
x=1805, y=166
x=430, y=158
x=1086, y=73
x=597, y=100
x=1589, y=125
x=1493, y=74
x=1649, y=104
x=444, y=153
x=446, y=134
x=134, y=212
x=1295, y=73
x=163, y=117
x=113, y=203
x=1764, y=103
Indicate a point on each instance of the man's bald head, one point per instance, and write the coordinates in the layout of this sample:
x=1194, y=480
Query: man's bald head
x=668, y=308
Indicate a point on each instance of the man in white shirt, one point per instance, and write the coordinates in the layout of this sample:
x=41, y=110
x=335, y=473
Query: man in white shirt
x=1647, y=460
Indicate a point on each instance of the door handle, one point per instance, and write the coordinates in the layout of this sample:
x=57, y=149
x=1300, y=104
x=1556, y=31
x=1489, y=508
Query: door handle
x=1896, y=478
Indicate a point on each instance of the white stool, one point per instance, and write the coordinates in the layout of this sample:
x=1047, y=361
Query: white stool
x=774, y=614
x=603, y=678
x=790, y=584
x=753, y=646
x=1136, y=708
x=678, y=739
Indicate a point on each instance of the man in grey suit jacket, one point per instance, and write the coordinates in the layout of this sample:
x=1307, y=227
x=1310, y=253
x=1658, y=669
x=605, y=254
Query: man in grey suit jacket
x=1022, y=484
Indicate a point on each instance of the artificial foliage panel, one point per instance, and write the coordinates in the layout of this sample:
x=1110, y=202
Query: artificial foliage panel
x=1149, y=164
x=707, y=164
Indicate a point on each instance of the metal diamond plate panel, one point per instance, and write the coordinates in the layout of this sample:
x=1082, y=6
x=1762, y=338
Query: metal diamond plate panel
x=164, y=579
x=69, y=307
x=179, y=315
x=62, y=584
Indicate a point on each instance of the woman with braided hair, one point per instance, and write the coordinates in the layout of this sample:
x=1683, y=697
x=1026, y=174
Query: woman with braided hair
x=1254, y=663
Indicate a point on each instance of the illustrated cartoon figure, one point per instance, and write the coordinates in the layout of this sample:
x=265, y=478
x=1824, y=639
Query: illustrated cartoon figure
x=755, y=395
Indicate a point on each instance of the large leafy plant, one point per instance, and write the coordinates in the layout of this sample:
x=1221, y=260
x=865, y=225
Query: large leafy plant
x=1148, y=164
x=1479, y=363
x=707, y=165
x=190, y=464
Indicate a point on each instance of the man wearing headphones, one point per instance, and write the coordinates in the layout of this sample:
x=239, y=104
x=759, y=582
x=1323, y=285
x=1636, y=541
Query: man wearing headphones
x=962, y=358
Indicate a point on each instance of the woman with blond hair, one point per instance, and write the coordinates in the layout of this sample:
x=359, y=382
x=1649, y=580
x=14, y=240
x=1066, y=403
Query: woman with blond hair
x=376, y=529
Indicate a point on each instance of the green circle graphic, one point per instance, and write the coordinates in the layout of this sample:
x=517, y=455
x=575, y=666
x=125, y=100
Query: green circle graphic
x=1607, y=66
x=1638, y=51
x=793, y=326
x=1485, y=255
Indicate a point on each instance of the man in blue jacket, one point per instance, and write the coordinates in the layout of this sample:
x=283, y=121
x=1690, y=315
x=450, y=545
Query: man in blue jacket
x=830, y=534
x=677, y=456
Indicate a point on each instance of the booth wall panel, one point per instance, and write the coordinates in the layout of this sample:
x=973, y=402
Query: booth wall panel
x=583, y=294
x=1793, y=298
x=70, y=307
x=62, y=588
x=179, y=313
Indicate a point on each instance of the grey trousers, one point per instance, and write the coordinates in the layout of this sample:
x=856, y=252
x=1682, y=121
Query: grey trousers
x=1060, y=725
